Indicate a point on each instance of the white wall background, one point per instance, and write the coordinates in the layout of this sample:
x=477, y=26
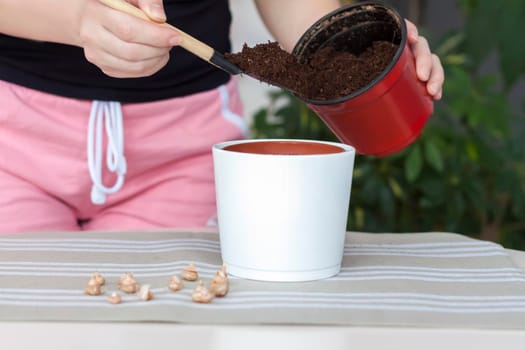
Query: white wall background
x=248, y=28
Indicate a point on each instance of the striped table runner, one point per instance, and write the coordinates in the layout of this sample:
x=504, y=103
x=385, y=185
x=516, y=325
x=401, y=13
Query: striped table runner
x=413, y=280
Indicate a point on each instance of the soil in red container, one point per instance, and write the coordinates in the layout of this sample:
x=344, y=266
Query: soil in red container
x=329, y=74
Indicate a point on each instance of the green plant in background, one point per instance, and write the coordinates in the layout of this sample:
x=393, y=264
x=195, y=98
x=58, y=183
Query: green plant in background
x=466, y=173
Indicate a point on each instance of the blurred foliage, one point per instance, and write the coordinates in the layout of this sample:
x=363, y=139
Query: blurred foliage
x=466, y=173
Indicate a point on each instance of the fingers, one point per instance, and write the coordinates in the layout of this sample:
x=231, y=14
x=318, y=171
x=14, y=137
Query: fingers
x=437, y=78
x=118, y=58
x=114, y=66
x=122, y=45
x=423, y=56
x=412, y=32
x=428, y=68
x=154, y=9
x=428, y=65
x=135, y=30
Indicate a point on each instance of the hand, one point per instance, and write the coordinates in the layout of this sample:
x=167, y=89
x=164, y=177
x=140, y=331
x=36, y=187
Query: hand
x=124, y=46
x=428, y=65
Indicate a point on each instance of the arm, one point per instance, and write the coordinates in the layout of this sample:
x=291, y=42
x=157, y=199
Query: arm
x=52, y=20
x=119, y=44
x=288, y=20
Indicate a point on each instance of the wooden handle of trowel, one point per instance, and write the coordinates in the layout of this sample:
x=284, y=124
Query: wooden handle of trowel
x=188, y=42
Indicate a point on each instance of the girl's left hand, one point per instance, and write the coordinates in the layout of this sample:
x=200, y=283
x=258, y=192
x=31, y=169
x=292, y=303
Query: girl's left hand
x=428, y=64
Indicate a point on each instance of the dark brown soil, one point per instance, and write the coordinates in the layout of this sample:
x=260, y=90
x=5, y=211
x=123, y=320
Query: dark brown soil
x=328, y=75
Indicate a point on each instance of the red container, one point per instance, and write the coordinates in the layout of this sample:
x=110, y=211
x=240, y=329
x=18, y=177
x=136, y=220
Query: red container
x=390, y=112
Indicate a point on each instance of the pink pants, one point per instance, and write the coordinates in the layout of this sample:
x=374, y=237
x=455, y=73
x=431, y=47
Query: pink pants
x=44, y=178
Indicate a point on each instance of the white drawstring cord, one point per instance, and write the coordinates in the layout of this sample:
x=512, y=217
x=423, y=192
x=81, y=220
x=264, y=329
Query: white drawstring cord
x=111, y=113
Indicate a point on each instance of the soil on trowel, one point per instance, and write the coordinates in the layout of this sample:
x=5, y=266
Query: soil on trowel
x=329, y=74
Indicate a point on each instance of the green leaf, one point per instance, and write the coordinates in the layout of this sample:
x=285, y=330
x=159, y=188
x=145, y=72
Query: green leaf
x=433, y=156
x=369, y=190
x=395, y=187
x=434, y=191
x=475, y=194
x=511, y=54
x=455, y=210
x=413, y=164
x=359, y=217
x=386, y=202
x=450, y=44
x=471, y=150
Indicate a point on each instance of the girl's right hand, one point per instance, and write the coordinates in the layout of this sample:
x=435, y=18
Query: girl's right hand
x=122, y=45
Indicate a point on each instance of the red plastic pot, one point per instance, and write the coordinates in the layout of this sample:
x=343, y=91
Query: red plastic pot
x=390, y=112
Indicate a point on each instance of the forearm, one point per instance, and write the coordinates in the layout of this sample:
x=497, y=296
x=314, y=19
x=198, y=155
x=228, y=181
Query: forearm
x=287, y=20
x=50, y=20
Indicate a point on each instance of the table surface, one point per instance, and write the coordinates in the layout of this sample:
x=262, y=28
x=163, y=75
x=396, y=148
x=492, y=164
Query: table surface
x=518, y=257
x=383, y=329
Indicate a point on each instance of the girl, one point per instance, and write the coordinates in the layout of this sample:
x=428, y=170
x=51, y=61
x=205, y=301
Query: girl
x=106, y=124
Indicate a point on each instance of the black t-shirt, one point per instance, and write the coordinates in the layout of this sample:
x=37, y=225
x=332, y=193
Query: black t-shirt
x=63, y=70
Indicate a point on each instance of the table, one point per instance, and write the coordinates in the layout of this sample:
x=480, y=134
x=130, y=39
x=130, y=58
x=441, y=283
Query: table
x=434, y=272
